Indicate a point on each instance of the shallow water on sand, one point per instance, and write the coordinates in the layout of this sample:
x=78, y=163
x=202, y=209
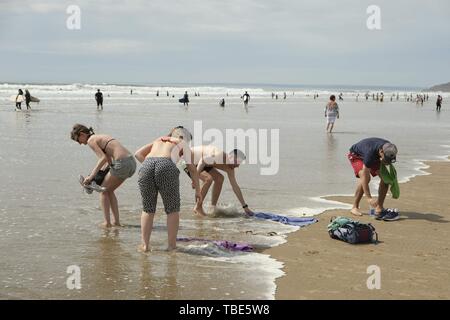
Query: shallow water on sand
x=48, y=224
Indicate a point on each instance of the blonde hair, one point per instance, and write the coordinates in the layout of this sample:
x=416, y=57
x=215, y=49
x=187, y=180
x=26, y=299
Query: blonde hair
x=181, y=133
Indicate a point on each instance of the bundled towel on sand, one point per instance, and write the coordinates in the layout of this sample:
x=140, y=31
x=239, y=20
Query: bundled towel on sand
x=221, y=243
x=390, y=178
x=294, y=221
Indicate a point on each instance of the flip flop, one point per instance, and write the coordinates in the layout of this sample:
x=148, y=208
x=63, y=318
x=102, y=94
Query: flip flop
x=90, y=187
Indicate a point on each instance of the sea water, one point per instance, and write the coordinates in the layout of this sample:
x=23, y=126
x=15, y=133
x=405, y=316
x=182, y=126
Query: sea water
x=48, y=224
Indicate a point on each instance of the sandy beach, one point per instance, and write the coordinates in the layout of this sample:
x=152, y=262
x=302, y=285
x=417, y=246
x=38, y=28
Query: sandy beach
x=413, y=253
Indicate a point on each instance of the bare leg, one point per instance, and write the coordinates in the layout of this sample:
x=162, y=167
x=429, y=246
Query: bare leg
x=114, y=208
x=146, y=229
x=328, y=126
x=111, y=183
x=382, y=191
x=104, y=201
x=173, y=221
x=358, y=196
x=332, y=125
x=217, y=187
x=207, y=181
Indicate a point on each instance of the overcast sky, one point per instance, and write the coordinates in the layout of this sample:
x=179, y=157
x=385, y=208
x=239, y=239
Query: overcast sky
x=314, y=42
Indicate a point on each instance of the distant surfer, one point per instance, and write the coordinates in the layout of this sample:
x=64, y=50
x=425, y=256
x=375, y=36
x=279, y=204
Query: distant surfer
x=99, y=99
x=186, y=99
x=246, y=98
x=209, y=160
x=27, y=99
x=222, y=103
x=19, y=99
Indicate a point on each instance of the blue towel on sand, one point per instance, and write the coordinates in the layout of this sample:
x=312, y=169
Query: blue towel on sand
x=294, y=221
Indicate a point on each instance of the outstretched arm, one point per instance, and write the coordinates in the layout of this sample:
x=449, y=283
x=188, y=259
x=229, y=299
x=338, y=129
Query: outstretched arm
x=237, y=191
x=143, y=152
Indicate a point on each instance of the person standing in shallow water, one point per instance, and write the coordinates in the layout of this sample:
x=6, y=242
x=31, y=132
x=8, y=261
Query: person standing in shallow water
x=19, y=98
x=27, y=99
x=159, y=174
x=331, y=112
x=110, y=153
x=439, y=103
x=99, y=99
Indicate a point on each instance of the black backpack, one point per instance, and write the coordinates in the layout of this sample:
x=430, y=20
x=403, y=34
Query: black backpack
x=351, y=231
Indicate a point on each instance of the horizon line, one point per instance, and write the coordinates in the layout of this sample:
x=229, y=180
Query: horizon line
x=141, y=84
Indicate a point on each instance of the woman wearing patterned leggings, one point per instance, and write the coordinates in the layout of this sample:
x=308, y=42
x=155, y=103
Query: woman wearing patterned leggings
x=159, y=173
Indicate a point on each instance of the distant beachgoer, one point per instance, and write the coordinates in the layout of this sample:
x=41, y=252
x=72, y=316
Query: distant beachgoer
x=27, y=99
x=209, y=160
x=110, y=153
x=273, y=95
x=382, y=97
x=341, y=98
x=159, y=174
x=19, y=100
x=246, y=98
x=157, y=93
x=439, y=103
x=131, y=92
x=167, y=93
x=284, y=96
x=186, y=99
x=331, y=112
x=367, y=96
x=222, y=103
x=99, y=99
x=366, y=157
x=276, y=96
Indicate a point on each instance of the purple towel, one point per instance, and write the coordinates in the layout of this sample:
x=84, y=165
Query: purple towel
x=222, y=243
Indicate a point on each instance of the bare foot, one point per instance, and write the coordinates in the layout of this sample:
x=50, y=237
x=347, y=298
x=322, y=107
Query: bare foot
x=117, y=224
x=143, y=248
x=105, y=225
x=356, y=212
x=199, y=211
x=171, y=249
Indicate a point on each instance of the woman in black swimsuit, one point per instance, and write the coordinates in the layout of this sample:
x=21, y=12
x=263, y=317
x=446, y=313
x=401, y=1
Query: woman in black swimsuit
x=110, y=153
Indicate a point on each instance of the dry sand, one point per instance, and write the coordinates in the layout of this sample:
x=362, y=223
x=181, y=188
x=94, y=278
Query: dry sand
x=413, y=253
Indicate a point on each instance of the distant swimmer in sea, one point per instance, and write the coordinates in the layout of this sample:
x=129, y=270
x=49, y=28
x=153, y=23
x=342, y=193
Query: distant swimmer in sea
x=331, y=112
x=222, y=103
x=246, y=98
x=366, y=157
x=27, y=99
x=159, y=174
x=19, y=99
x=112, y=154
x=99, y=99
x=209, y=161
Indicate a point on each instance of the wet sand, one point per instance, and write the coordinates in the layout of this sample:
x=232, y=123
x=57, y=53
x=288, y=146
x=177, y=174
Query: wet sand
x=413, y=253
